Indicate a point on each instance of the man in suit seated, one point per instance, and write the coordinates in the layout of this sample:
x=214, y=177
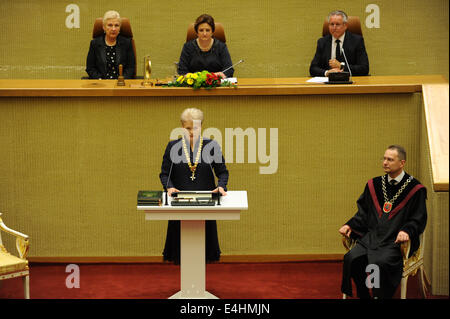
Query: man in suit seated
x=329, y=56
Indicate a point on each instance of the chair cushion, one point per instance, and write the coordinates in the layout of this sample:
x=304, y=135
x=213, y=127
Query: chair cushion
x=10, y=263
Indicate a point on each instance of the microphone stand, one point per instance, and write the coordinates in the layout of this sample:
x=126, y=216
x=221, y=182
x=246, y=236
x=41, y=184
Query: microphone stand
x=212, y=171
x=348, y=65
x=167, y=184
x=239, y=62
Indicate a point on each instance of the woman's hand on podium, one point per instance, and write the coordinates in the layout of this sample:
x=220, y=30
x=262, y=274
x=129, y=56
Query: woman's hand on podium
x=172, y=190
x=221, y=190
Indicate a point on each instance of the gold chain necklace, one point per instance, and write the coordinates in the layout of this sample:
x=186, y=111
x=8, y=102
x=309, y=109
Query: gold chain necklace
x=388, y=203
x=197, y=158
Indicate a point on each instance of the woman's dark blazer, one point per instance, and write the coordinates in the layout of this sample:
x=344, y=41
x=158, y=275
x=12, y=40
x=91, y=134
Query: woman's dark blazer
x=96, y=59
x=193, y=59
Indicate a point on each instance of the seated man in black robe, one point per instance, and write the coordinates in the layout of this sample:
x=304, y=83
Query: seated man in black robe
x=391, y=210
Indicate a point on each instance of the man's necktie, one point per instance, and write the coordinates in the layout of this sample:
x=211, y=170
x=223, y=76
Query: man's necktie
x=338, y=50
x=393, y=182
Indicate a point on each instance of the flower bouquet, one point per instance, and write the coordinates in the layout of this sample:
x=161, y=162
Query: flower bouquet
x=203, y=79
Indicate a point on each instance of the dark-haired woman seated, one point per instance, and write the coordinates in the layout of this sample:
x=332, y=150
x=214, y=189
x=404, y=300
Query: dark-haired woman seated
x=205, y=52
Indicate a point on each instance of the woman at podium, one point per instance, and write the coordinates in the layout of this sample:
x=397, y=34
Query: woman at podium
x=189, y=164
x=109, y=50
x=205, y=52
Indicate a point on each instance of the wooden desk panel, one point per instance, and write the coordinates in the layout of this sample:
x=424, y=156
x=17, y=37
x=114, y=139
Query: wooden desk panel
x=255, y=86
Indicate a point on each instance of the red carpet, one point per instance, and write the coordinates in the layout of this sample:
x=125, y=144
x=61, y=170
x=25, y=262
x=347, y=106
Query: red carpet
x=301, y=280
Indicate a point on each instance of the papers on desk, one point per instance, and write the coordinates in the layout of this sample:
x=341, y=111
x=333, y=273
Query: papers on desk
x=318, y=79
x=231, y=80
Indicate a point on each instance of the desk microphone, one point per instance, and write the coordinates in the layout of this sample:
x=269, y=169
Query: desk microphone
x=348, y=65
x=212, y=171
x=239, y=62
x=167, y=184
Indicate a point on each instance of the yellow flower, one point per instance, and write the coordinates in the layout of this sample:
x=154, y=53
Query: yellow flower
x=195, y=76
x=190, y=81
x=180, y=79
x=189, y=76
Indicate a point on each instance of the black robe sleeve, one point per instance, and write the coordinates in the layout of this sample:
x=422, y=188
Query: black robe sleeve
x=359, y=222
x=411, y=219
x=417, y=219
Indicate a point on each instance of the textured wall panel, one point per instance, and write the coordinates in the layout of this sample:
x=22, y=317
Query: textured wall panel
x=71, y=168
x=276, y=38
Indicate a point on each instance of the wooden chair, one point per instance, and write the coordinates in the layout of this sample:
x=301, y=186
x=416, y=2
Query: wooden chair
x=410, y=265
x=353, y=25
x=413, y=264
x=12, y=266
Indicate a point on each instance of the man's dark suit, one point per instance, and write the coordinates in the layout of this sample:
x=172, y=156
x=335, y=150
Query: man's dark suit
x=355, y=52
x=96, y=59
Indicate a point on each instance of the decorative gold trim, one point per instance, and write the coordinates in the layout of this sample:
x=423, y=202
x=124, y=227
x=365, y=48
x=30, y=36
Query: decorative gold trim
x=3, y=249
x=348, y=243
x=22, y=246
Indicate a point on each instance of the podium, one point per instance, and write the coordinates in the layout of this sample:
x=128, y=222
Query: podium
x=192, y=236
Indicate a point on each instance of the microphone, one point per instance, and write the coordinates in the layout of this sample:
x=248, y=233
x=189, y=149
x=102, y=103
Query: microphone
x=167, y=184
x=348, y=65
x=239, y=62
x=212, y=171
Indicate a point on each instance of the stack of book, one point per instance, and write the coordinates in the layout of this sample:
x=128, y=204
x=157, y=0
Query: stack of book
x=149, y=198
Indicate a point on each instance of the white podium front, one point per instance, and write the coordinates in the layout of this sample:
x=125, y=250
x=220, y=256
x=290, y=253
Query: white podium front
x=192, y=236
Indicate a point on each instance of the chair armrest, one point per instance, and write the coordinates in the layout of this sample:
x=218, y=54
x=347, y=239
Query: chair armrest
x=348, y=242
x=21, y=239
x=405, y=248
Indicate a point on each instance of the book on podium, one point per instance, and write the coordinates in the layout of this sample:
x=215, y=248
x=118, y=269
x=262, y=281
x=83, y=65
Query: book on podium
x=149, y=198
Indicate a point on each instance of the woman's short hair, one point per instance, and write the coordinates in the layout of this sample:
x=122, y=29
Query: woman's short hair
x=204, y=18
x=192, y=114
x=111, y=15
x=338, y=13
